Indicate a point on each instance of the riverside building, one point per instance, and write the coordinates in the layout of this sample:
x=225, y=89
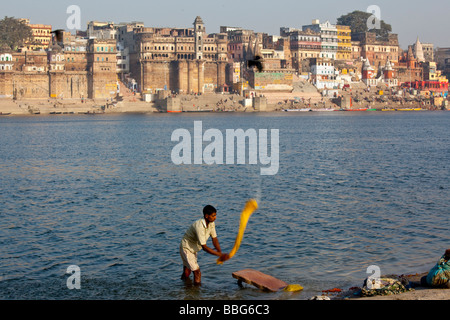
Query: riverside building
x=180, y=60
x=328, y=37
x=61, y=73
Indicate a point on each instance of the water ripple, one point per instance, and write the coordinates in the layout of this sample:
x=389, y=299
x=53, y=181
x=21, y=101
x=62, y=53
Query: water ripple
x=352, y=191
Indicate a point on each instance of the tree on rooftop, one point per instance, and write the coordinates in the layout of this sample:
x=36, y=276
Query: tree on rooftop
x=357, y=20
x=14, y=33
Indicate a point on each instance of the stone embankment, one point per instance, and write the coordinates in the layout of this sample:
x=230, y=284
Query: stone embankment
x=303, y=96
x=44, y=106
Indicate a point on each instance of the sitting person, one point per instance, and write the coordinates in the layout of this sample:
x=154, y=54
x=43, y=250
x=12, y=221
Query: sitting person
x=439, y=275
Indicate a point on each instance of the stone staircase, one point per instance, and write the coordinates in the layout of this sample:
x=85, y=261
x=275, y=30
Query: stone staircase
x=127, y=95
x=302, y=90
x=8, y=106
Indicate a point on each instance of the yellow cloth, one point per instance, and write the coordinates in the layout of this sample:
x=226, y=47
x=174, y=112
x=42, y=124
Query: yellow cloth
x=250, y=207
x=293, y=288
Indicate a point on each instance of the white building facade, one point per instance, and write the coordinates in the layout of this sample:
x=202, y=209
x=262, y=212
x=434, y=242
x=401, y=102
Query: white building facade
x=324, y=74
x=328, y=36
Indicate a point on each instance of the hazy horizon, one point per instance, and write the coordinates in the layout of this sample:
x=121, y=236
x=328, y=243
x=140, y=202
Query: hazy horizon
x=409, y=19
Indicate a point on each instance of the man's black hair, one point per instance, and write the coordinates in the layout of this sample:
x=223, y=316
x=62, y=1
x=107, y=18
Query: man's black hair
x=209, y=210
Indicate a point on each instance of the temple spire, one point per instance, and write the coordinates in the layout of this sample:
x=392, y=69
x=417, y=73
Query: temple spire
x=418, y=49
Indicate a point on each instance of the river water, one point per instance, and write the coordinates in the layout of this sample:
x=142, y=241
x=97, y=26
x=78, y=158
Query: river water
x=101, y=192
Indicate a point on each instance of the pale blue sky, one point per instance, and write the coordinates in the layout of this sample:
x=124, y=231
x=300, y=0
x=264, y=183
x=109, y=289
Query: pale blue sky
x=430, y=20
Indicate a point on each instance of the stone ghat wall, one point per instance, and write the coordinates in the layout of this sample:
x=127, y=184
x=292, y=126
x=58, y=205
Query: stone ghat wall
x=30, y=85
x=69, y=85
x=6, y=85
x=59, y=84
x=184, y=76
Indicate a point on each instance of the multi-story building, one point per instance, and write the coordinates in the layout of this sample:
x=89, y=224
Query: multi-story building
x=241, y=42
x=328, y=36
x=356, y=50
x=409, y=69
x=431, y=81
x=62, y=72
x=76, y=55
x=304, y=45
x=276, y=52
x=181, y=60
x=344, y=34
x=30, y=61
x=101, y=30
x=123, y=60
x=378, y=51
x=432, y=74
x=75, y=50
x=323, y=73
x=446, y=69
x=6, y=61
x=126, y=47
x=428, y=51
x=41, y=36
x=102, y=68
x=441, y=55
x=6, y=72
x=111, y=31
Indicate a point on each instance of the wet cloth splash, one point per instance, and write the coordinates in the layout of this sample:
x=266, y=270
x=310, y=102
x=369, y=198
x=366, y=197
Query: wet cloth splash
x=249, y=208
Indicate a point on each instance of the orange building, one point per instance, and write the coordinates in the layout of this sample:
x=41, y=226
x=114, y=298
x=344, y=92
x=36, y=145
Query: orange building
x=41, y=38
x=344, y=34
